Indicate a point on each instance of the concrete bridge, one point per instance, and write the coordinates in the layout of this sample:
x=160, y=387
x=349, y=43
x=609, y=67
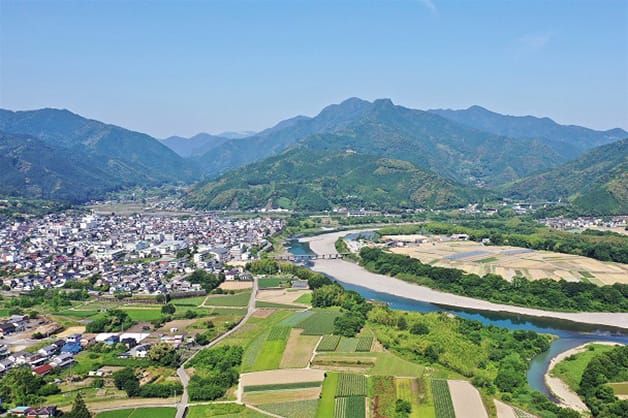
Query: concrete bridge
x=307, y=257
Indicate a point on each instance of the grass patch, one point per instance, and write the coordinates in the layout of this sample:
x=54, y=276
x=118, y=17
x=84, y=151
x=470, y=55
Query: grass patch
x=278, y=333
x=294, y=319
x=347, y=345
x=487, y=260
x=305, y=299
x=570, y=369
x=164, y=412
x=328, y=395
x=270, y=282
x=416, y=392
x=364, y=344
x=143, y=315
x=295, y=409
x=380, y=364
x=320, y=323
x=619, y=388
x=225, y=410
x=238, y=299
x=281, y=386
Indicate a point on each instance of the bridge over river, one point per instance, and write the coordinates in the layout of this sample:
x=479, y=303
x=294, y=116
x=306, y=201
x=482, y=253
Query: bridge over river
x=307, y=257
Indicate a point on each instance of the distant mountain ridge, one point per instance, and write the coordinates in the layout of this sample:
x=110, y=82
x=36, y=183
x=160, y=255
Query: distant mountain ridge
x=381, y=128
x=595, y=183
x=196, y=145
x=568, y=140
x=324, y=173
x=122, y=157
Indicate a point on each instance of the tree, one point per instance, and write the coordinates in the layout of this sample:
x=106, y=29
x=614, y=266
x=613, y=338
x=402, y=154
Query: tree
x=419, y=329
x=163, y=354
x=168, y=309
x=126, y=380
x=79, y=409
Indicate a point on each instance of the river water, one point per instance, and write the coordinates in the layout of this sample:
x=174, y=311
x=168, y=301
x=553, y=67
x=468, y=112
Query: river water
x=569, y=334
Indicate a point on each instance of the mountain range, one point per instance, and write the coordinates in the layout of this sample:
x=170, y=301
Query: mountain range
x=87, y=157
x=355, y=153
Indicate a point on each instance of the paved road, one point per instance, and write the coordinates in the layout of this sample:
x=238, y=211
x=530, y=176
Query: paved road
x=185, y=378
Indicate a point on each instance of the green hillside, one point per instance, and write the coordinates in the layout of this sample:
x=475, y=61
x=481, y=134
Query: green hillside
x=596, y=183
x=429, y=141
x=319, y=178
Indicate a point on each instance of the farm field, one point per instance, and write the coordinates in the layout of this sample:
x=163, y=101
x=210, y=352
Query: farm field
x=443, y=404
x=281, y=396
x=281, y=296
x=351, y=385
x=299, y=349
x=274, y=281
x=238, y=299
x=235, y=285
x=417, y=393
x=165, y=412
x=225, y=410
x=281, y=376
x=374, y=363
x=508, y=262
x=320, y=323
x=328, y=396
x=466, y=399
x=350, y=407
x=295, y=409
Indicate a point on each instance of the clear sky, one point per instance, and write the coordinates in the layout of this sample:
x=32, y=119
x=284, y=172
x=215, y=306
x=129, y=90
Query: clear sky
x=182, y=67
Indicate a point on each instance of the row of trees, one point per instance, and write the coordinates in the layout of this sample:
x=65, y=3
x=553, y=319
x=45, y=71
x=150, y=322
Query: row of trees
x=114, y=320
x=544, y=293
x=127, y=380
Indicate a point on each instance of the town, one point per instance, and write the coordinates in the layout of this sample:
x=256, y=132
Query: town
x=135, y=254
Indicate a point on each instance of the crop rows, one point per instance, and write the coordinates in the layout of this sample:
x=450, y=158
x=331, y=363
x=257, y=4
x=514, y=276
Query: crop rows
x=443, y=405
x=351, y=385
x=281, y=386
x=350, y=407
x=328, y=343
x=278, y=333
x=364, y=344
x=320, y=323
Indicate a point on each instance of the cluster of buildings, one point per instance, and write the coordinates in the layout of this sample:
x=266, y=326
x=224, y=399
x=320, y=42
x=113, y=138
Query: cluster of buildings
x=136, y=253
x=616, y=223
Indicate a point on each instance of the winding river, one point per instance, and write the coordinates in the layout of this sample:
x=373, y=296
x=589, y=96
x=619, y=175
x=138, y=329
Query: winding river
x=570, y=334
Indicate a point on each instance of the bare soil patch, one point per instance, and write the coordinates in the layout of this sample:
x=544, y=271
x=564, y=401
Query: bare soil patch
x=263, y=312
x=235, y=285
x=466, y=399
x=260, y=398
x=299, y=349
x=281, y=376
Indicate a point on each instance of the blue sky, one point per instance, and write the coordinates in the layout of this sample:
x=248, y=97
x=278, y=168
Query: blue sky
x=166, y=67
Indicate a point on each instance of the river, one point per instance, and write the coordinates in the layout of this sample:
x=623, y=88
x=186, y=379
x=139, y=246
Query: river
x=570, y=334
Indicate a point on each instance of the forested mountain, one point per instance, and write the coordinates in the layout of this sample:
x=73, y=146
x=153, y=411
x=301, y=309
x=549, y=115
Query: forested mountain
x=595, y=183
x=325, y=172
x=568, y=140
x=197, y=145
x=31, y=168
x=381, y=128
x=84, y=157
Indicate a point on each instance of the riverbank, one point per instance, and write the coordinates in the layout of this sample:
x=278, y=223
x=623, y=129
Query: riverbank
x=563, y=393
x=354, y=274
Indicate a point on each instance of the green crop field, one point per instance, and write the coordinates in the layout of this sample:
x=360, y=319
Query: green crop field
x=143, y=315
x=350, y=407
x=164, y=412
x=443, y=405
x=226, y=410
x=278, y=333
x=294, y=319
x=352, y=385
x=191, y=302
x=238, y=299
x=295, y=409
x=320, y=323
x=328, y=395
x=328, y=343
x=271, y=282
x=281, y=386
x=364, y=344
x=347, y=345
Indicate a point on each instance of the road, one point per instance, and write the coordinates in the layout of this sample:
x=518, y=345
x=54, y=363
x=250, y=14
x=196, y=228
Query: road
x=355, y=274
x=185, y=378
